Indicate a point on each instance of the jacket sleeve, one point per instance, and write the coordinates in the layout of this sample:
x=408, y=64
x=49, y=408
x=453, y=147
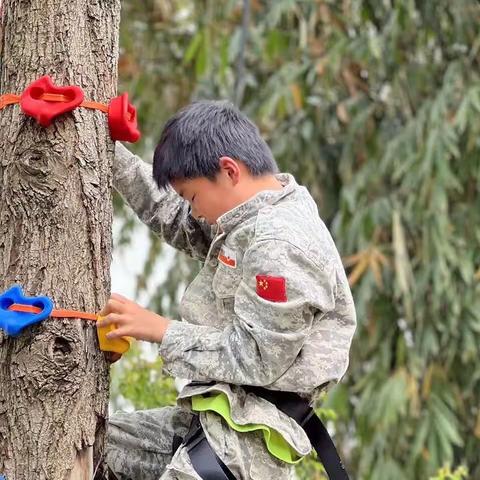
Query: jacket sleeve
x=265, y=337
x=163, y=211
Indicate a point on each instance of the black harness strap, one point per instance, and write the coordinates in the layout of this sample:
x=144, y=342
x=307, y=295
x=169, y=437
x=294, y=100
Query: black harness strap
x=296, y=407
x=325, y=448
x=205, y=461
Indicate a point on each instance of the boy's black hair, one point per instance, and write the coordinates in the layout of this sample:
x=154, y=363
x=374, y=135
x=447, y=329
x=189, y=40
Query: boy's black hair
x=196, y=137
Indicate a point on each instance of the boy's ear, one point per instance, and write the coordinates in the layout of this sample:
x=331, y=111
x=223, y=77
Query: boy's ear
x=231, y=168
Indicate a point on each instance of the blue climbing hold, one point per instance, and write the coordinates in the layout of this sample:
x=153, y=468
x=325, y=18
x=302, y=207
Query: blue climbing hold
x=13, y=322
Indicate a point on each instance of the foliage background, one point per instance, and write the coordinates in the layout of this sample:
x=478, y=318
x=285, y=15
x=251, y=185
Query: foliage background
x=374, y=106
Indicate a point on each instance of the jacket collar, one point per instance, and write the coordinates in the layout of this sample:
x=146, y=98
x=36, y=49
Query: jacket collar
x=245, y=210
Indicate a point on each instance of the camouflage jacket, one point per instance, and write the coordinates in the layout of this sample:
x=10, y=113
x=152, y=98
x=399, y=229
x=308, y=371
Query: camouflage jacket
x=271, y=305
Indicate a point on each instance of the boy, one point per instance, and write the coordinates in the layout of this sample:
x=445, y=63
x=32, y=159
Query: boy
x=270, y=311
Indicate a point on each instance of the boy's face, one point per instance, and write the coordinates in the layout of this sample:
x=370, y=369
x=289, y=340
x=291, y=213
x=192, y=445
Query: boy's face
x=210, y=199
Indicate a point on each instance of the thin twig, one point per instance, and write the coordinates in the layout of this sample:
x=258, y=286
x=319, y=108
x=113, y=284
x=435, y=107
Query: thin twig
x=240, y=77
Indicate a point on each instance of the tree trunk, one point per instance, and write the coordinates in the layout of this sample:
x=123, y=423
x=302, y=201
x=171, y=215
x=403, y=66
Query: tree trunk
x=55, y=237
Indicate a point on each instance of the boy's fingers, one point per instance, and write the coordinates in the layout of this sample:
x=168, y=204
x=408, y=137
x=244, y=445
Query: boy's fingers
x=112, y=306
x=117, y=333
x=111, y=318
x=119, y=298
x=116, y=306
x=105, y=310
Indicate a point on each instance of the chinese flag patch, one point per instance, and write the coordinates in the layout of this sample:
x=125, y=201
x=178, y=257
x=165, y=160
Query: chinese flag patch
x=271, y=288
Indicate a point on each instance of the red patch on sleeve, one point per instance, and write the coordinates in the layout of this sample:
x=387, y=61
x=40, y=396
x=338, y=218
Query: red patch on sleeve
x=271, y=288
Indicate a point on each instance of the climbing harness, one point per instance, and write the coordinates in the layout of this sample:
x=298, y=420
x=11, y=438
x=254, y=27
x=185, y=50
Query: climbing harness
x=298, y=408
x=205, y=461
x=276, y=445
x=210, y=467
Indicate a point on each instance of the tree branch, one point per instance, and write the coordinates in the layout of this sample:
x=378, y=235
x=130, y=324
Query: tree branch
x=240, y=77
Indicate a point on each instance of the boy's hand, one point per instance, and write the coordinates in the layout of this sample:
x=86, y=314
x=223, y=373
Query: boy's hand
x=132, y=320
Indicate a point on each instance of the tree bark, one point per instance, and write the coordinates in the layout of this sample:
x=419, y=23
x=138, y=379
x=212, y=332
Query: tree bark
x=55, y=237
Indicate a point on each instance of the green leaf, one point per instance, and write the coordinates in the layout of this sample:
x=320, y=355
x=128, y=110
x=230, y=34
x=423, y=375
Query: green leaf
x=193, y=47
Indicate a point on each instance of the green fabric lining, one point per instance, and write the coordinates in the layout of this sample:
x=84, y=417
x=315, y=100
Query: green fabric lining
x=276, y=444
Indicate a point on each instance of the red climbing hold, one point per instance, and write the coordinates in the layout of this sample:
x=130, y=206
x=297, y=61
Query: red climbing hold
x=122, y=119
x=44, y=101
